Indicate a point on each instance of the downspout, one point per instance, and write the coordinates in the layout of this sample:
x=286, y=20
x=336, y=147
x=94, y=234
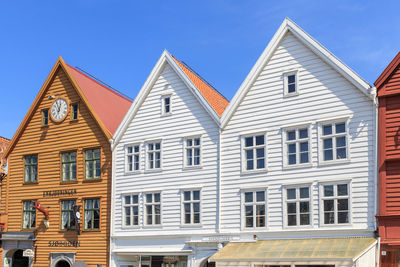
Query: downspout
x=113, y=159
x=376, y=180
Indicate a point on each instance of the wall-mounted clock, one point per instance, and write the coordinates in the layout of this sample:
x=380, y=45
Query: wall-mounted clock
x=59, y=109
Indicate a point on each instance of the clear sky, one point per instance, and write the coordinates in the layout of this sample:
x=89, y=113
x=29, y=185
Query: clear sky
x=120, y=41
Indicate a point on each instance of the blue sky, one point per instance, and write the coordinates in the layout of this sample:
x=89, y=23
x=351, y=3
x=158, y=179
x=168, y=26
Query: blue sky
x=120, y=41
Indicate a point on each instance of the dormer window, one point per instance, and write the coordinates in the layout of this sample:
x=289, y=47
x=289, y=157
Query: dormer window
x=166, y=105
x=290, y=84
x=45, y=117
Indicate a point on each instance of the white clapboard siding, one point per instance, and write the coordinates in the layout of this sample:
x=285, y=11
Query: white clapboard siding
x=189, y=118
x=324, y=94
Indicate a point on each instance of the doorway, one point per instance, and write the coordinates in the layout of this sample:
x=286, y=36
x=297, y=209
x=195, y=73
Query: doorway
x=18, y=260
x=62, y=263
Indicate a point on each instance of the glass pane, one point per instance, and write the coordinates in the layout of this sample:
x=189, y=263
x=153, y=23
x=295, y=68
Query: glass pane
x=341, y=153
x=250, y=165
x=291, y=78
x=127, y=216
x=303, y=146
x=260, y=152
x=135, y=199
x=196, y=218
x=327, y=129
x=128, y=200
x=291, y=135
x=304, y=192
x=291, y=208
x=292, y=148
x=136, y=149
x=158, y=146
x=151, y=146
x=157, y=197
x=249, y=141
x=328, y=143
x=340, y=127
x=196, y=207
x=329, y=218
x=186, y=195
x=96, y=203
x=291, y=88
x=304, y=157
x=249, y=154
x=197, y=141
x=248, y=197
x=249, y=210
x=342, y=190
x=260, y=196
x=328, y=154
x=149, y=198
x=328, y=205
x=196, y=195
x=328, y=190
x=292, y=159
x=292, y=220
x=341, y=141
x=304, y=219
x=129, y=149
x=304, y=207
x=343, y=217
x=303, y=133
x=260, y=164
x=157, y=209
x=189, y=142
x=259, y=140
x=186, y=207
x=343, y=204
x=291, y=193
x=249, y=221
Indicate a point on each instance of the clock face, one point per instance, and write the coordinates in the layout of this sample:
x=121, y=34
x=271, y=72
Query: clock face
x=59, y=109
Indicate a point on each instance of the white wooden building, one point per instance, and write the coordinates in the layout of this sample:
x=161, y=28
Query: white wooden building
x=298, y=161
x=165, y=176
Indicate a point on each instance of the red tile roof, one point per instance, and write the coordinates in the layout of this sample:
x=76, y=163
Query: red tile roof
x=109, y=105
x=217, y=101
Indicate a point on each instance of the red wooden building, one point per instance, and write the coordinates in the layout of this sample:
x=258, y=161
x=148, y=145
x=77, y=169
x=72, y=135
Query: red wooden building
x=388, y=90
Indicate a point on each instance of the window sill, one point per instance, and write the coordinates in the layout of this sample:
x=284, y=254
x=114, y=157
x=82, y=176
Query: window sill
x=30, y=183
x=340, y=225
x=133, y=172
x=250, y=230
x=158, y=226
x=254, y=172
x=166, y=115
x=69, y=182
x=189, y=168
x=67, y=230
x=44, y=127
x=333, y=162
x=132, y=227
x=153, y=170
x=298, y=227
x=192, y=226
x=73, y=121
x=92, y=180
x=297, y=166
x=91, y=231
x=287, y=95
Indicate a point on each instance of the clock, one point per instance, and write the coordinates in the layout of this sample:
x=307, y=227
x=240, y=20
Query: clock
x=59, y=109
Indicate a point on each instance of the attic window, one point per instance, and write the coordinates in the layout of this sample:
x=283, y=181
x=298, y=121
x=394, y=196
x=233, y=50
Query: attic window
x=166, y=105
x=74, y=111
x=290, y=84
x=45, y=117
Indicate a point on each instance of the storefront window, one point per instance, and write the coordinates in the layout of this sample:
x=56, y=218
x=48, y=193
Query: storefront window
x=157, y=261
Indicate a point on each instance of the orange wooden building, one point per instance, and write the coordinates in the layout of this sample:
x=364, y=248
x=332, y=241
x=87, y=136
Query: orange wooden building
x=59, y=163
x=388, y=90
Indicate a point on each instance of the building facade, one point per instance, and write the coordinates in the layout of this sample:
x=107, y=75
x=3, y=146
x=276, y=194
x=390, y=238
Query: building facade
x=165, y=177
x=298, y=157
x=388, y=91
x=60, y=165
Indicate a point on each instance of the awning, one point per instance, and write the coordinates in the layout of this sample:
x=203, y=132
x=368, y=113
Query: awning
x=295, y=249
x=18, y=236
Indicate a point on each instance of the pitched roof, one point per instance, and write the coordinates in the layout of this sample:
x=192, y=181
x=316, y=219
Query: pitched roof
x=109, y=105
x=215, y=98
x=385, y=75
x=289, y=26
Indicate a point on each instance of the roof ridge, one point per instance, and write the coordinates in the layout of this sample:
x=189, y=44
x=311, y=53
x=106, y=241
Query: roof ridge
x=122, y=95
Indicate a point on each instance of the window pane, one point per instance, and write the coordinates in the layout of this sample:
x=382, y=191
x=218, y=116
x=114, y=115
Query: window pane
x=197, y=141
x=157, y=197
x=343, y=204
x=186, y=195
x=291, y=193
x=260, y=152
x=303, y=133
x=328, y=143
x=304, y=192
x=196, y=207
x=343, y=217
x=328, y=190
x=291, y=135
x=136, y=149
x=249, y=141
x=291, y=208
x=129, y=149
x=158, y=146
x=341, y=153
x=292, y=220
x=260, y=209
x=304, y=219
x=250, y=165
x=135, y=199
x=327, y=129
x=291, y=88
x=249, y=154
x=128, y=200
x=196, y=195
x=304, y=157
x=328, y=154
x=292, y=159
x=249, y=211
x=291, y=78
x=248, y=197
x=149, y=198
x=292, y=148
x=329, y=218
x=304, y=207
x=328, y=205
x=303, y=146
x=340, y=141
x=260, y=164
x=340, y=127
x=260, y=196
x=249, y=221
x=259, y=140
x=189, y=142
x=342, y=190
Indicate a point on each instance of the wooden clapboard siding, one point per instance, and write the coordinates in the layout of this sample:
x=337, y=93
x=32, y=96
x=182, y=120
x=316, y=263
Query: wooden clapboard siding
x=48, y=142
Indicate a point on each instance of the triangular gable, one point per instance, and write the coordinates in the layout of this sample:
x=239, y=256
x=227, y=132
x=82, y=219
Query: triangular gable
x=59, y=64
x=202, y=92
x=388, y=72
x=309, y=42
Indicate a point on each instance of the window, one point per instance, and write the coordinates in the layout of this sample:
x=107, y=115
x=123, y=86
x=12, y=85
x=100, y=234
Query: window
x=131, y=210
x=254, y=152
x=67, y=215
x=92, y=163
x=298, y=206
x=254, y=209
x=31, y=168
x=166, y=105
x=132, y=158
x=45, y=117
x=154, y=155
x=191, y=206
x=193, y=151
x=74, y=111
x=335, y=198
x=290, y=83
x=29, y=215
x=297, y=143
x=153, y=208
x=334, y=141
x=68, y=166
x=92, y=214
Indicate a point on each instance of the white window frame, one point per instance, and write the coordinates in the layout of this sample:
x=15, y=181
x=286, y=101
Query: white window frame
x=147, y=161
x=193, y=147
x=335, y=198
x=163, y=97
x=123, y=205
x=145, y=203
x=243, y=149
x=321, y=137
x=254, y=203
x=133, y=154
x=286, y=84
x=297, y=200
x=191, y=201
x=285, y=142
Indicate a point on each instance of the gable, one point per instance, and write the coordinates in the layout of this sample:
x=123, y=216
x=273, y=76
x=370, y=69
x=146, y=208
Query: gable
x=389, y=81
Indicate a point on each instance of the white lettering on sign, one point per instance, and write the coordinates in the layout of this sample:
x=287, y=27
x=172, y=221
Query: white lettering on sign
x=28, y=253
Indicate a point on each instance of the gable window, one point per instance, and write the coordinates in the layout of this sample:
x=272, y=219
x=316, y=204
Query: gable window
x=92, y=214
x=74, y=111
x=191, y=206
x=254, y=209
x=254, y=152
x=297, y=146
x=131, y=210
x=335, y=203
x=45, y=117
x=154, y=155
x=31, y=168
x=298, y=206
x=92, y=163
x=28, y=215
x=193, y=149
x=153, y=208
x=67, y=215
x=68, y=166
x=132, y=158
x=166, y=105
x=334, y=141
x=290, y=84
